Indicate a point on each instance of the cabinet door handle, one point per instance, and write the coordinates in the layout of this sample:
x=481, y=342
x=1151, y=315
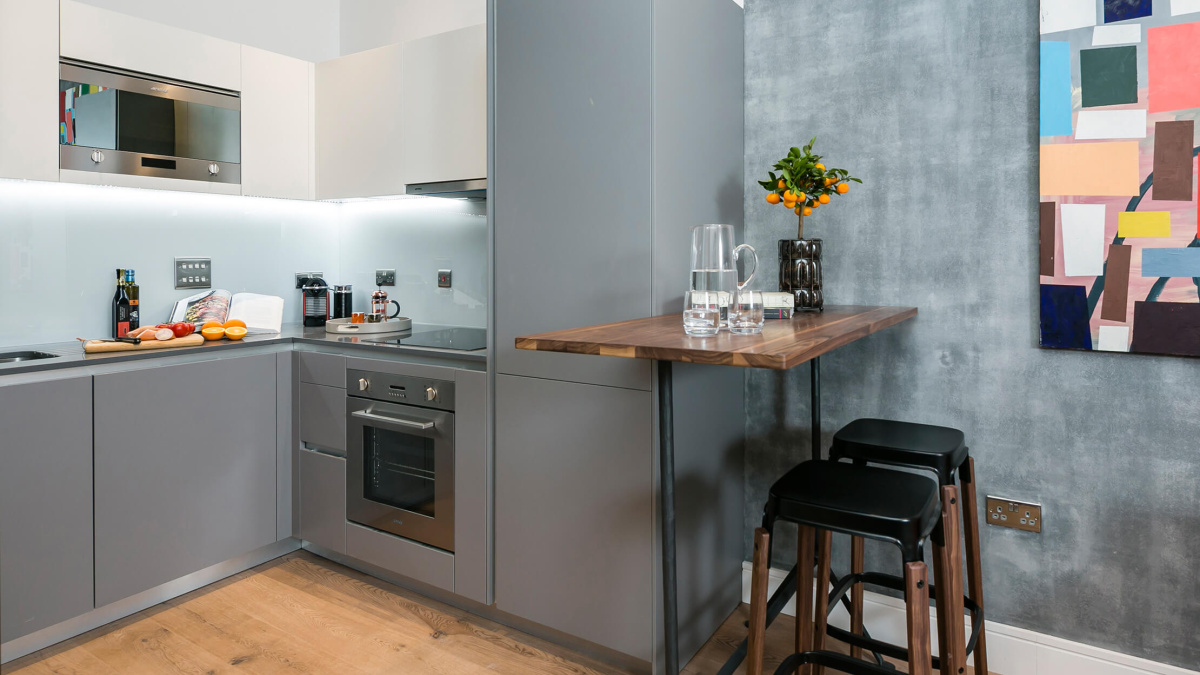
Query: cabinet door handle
x=411, y=424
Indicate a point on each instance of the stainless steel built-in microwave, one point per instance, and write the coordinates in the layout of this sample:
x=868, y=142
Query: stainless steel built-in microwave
x=113, y=121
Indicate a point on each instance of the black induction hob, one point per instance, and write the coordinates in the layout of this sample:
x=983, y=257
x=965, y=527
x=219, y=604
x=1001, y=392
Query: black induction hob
x=439, y=337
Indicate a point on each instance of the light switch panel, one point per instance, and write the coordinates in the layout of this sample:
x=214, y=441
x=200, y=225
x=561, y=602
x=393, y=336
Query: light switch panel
x=193, y=273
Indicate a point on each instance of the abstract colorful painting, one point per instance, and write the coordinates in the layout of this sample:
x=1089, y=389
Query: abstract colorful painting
x=1119, y=229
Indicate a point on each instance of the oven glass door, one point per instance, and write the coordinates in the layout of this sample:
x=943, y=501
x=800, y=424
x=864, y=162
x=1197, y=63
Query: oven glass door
x=400, y=471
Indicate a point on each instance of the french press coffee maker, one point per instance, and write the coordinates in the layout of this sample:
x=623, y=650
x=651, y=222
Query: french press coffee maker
x=379, y=307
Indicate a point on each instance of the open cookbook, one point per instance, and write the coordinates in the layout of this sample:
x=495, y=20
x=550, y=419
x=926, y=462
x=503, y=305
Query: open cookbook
x=261, y=313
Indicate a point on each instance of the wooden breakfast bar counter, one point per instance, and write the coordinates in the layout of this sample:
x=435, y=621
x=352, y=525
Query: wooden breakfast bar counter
x=783, y=344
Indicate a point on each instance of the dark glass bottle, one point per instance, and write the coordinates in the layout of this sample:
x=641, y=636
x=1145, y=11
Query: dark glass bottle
x=134, y=292
x=120, y=308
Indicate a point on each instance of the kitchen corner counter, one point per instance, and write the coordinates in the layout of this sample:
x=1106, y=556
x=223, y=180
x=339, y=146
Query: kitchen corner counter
x=71, y=354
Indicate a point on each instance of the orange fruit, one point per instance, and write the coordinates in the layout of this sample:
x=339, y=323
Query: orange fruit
x=799, y=210
x=789, y=196
x=828, y=182
x=801, y=197
x=211, y=324
x=807, y=211
x=212, y=333
x=820, y=167
x=842, y=188
x=235, y=332
x=773, y=198
x=814, y=204
x=232, y=323
x=824, y=199
x=782, y=184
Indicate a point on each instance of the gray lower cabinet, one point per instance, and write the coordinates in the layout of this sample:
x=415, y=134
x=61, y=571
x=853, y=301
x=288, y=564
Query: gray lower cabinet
x=185, y=470
x=323, y=416
x=45, y=504
x=575, y=509
x=323, y=500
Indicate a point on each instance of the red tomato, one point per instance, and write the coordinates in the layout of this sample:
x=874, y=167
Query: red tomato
x=181, y=329
x=163, y=325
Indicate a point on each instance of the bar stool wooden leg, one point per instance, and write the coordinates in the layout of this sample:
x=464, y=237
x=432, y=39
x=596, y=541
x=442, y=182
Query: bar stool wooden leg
x=804, y=592
x=821, y=613
x=940, y=572
x=950, y=588
x=916, y=596
x=758, y=602
x=856, y=593
x=971, y=524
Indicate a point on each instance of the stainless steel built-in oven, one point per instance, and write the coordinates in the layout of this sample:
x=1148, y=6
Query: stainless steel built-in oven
x=114, y=121
x=400, y=456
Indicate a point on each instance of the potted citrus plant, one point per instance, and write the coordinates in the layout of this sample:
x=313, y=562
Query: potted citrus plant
x=802, y=184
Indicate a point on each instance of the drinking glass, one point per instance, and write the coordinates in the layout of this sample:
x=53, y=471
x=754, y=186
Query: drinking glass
x=702, y=313
x=746, y=312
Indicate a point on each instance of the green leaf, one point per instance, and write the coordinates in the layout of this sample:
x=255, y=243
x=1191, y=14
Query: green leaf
x=795, y=152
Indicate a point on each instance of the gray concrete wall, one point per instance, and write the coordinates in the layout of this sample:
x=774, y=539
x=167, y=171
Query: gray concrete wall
x=934, y=105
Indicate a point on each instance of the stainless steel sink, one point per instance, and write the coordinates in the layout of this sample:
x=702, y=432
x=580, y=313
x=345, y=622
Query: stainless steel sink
x=15, y=357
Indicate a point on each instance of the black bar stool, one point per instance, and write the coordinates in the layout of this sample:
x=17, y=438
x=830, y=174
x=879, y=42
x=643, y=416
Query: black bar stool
x=943, y=451
x=824, y=497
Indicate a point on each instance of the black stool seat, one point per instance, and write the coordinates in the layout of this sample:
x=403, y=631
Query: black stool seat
x=941, y=449
x=864, y=501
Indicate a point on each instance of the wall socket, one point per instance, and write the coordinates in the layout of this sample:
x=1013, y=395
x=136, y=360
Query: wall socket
x=444, y=278
x=385, y=277
x=1012, y=513
x=193, y=273
x=300, y=276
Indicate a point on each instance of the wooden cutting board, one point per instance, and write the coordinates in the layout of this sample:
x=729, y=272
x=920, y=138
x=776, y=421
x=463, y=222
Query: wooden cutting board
x=99, y=347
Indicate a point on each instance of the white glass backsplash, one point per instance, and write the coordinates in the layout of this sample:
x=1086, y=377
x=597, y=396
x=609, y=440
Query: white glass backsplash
x=60, y=245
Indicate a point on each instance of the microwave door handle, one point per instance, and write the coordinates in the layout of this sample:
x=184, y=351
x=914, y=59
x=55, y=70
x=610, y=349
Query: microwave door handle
x=384, y=419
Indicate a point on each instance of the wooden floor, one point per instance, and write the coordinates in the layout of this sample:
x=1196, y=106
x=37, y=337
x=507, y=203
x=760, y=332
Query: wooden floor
x=304, y=614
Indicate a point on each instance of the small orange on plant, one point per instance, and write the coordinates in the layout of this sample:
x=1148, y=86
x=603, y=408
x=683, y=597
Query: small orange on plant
x=798, y=210
x=807, y=211
x=824, y=199
x=843, y=188
x=782, y=184
x=820, y=167
x=773, y=198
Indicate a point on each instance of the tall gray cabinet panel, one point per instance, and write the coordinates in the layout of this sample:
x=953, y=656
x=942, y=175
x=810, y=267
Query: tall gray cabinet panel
x=185, y=470
x=45, y=504
x=698, y=137
x=571, y=199
x=574, y=510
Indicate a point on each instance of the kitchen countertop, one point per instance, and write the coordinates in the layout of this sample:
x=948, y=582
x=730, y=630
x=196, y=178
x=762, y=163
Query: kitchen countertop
x=71, y=354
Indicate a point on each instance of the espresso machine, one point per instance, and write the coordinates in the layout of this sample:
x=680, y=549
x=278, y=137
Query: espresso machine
x=314, y=294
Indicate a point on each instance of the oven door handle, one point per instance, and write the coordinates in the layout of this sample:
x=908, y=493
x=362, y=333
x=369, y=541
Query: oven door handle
x=384, y=419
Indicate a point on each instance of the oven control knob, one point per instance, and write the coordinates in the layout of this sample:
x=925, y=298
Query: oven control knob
x=364, y=384
x=213, y=169
x=430, y=394
x=97, y=156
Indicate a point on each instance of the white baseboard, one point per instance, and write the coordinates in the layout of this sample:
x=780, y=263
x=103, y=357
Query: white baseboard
x=1011, y=650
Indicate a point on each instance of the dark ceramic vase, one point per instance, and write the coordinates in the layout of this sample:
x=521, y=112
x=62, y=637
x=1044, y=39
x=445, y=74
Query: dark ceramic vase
x=800, y=273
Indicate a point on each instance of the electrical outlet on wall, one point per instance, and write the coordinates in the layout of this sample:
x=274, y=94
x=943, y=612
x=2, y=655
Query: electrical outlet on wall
x=443, y=278
x=1004, y=512
x=301, y=276
x=385, y=277
x=193, y=273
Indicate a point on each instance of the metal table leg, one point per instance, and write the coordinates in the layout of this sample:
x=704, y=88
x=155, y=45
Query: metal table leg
x=666, y=477
x=815, y=404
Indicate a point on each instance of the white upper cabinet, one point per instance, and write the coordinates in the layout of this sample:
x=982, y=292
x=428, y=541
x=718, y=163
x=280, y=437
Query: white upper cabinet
x=444, y=107
x=29, y=89
x=113, y=39
x=359, y=107
x=277, y=125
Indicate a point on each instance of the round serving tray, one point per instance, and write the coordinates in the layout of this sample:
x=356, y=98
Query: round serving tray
x=344, y=327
